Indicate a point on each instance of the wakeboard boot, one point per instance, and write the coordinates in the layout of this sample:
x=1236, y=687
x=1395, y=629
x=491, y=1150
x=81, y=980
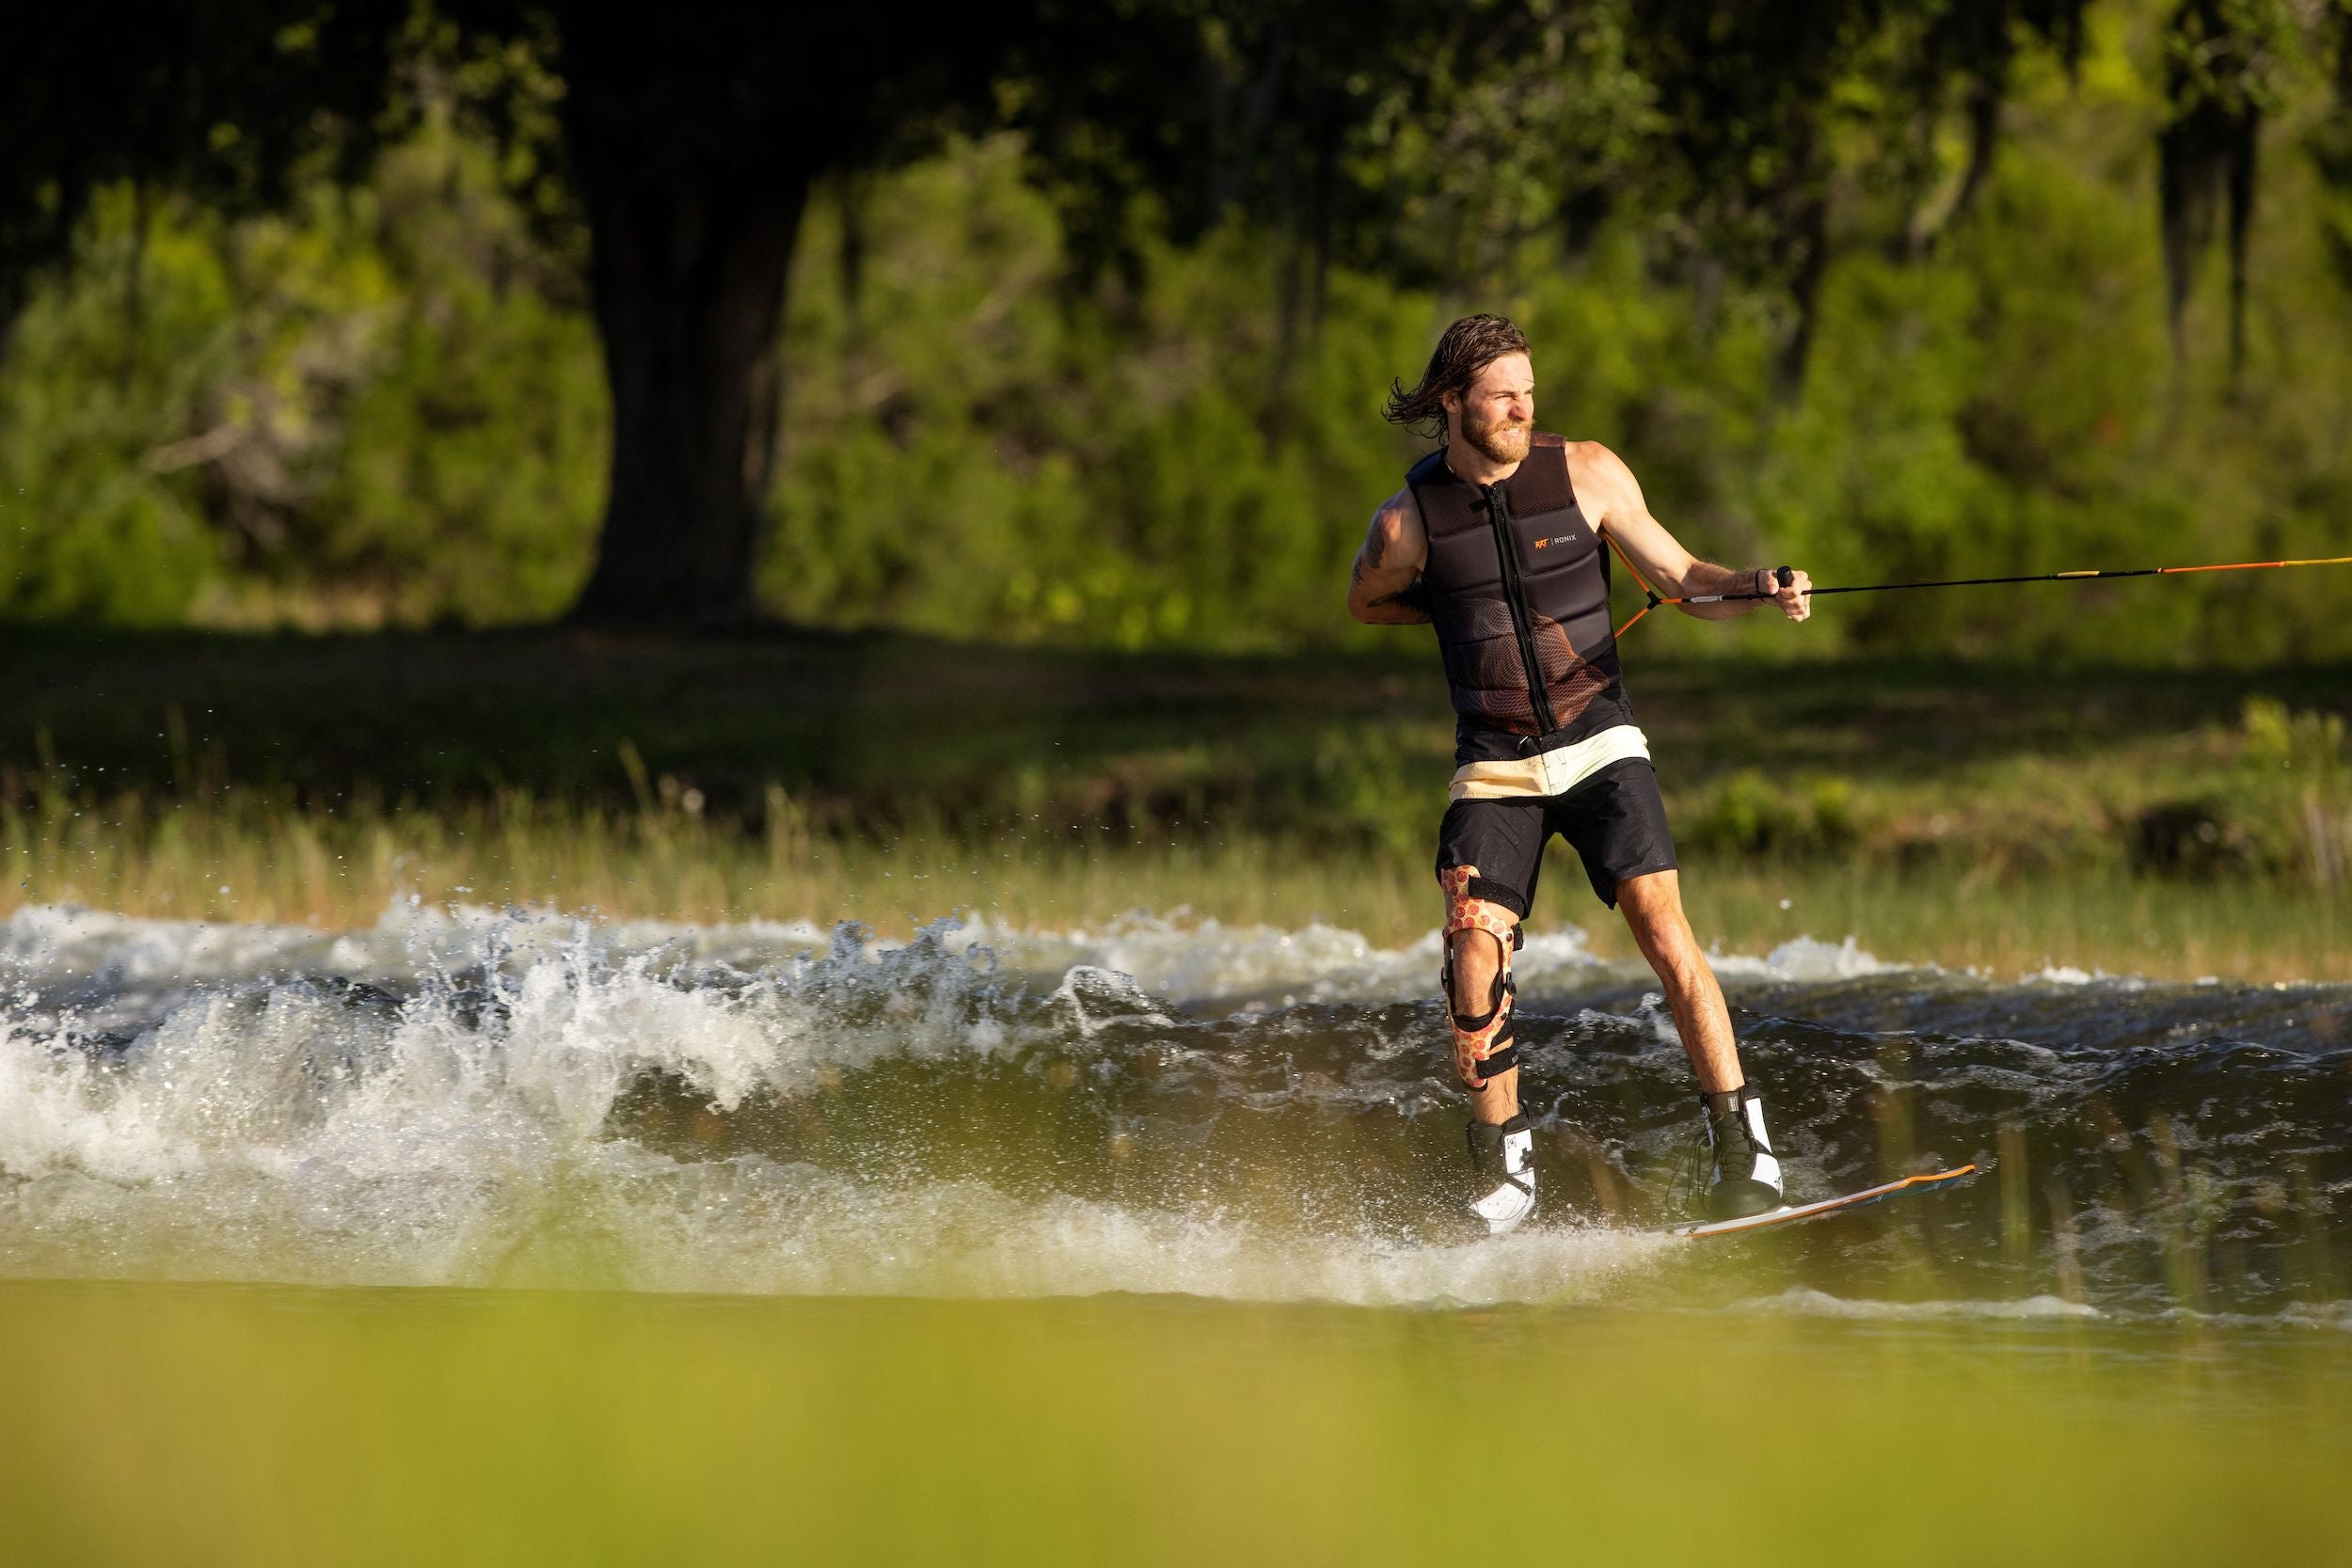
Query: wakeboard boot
x=1503, y=1158
x=1746, y=1176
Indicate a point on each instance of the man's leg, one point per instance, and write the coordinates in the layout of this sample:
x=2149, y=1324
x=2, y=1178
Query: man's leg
x=1617, y=822
x=1489, y=855
x=1479, y=938
x=1477, y=964
x=1652, y=907
x=1746, y=1176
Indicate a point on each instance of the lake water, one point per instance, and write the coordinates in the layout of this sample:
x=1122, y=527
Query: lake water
x=1127, y=1217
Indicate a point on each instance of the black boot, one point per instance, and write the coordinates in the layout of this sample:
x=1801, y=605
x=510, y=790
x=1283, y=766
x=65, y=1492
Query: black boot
x=1746, y=1177
x=1503, y=1158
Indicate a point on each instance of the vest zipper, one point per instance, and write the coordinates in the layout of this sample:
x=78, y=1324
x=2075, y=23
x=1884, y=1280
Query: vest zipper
x=1514, y=595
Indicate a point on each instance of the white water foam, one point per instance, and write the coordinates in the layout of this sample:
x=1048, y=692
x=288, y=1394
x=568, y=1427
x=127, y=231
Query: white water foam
x=261, y=1124
x=2328, y=1317
x=810, y=1234
x=1807, y=959
x=1801, y=1302
x=616, y=1216
x=409, y=939
x=1207, y=963
x=202, y=1099
x=1193, y=963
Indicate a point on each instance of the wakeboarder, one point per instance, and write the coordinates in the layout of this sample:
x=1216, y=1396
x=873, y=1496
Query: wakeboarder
x=1501, y=539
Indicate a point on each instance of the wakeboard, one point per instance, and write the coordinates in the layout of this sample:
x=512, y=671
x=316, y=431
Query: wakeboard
x=1792, y=1214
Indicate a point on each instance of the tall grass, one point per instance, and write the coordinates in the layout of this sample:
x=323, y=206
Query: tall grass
x=254, y=855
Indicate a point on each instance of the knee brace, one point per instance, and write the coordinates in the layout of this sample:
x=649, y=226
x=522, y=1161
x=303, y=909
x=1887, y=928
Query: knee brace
x=1483, y=1045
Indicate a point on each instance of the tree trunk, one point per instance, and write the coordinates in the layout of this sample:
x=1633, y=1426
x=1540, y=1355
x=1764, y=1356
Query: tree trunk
x=688, y=280
x=2244, y=148
x=1805, y=252
x=1986, y=95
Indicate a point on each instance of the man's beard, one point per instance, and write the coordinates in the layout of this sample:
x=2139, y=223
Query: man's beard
x=1497, y=440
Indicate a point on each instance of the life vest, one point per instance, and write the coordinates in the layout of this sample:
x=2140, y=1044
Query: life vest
x=1518, y=592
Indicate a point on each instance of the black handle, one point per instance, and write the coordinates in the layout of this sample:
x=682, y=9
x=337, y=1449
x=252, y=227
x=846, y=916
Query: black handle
x=1785, y=576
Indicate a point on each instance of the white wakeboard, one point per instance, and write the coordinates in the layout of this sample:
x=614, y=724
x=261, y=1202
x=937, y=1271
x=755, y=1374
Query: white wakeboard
x=1790, y=1215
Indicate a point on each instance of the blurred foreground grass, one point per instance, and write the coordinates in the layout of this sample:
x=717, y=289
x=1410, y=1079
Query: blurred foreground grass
x=260, y=1426
x=2007, y=816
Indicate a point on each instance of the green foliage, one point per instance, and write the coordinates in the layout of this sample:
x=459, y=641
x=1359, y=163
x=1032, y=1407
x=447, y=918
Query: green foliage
x=88, y=526
x=1748, y=813
x=1169, y=469
x=386, y=404
x=966, y=450
x=2295, y=805
x=473, y=457
x=383, y=406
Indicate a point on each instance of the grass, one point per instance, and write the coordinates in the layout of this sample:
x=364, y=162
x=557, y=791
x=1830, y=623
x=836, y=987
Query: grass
x=244, y=857
x=253, y=1426
x=1999, y=815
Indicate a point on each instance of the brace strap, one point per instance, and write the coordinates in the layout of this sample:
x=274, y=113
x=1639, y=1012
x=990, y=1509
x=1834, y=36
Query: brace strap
x=1470, y=905
x=1496, y=1062
x=1484, y=1044
x=1499, y=1169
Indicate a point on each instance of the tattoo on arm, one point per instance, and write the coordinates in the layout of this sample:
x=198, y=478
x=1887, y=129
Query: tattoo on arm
x=1410, y=603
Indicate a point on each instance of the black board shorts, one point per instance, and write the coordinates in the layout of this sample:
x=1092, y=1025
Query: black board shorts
x=1614, y=820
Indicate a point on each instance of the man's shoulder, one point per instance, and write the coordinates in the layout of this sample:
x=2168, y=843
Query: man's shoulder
x=1594, y=469
x=1403, y=504
x=1580, y=455
x=1398, y=518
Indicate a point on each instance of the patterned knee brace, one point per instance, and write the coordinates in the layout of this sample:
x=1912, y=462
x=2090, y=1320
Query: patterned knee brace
x=1483, y=1043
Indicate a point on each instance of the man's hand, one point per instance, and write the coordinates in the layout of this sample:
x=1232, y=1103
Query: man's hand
x=1796, y=600
x=1612, y=502
x=1742, y=592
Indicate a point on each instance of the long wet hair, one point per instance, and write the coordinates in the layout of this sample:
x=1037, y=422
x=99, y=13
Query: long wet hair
x=1469, y=346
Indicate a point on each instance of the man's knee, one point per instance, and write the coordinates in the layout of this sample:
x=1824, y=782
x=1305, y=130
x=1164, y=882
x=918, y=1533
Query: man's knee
x=1653, y=895
x=1476, y=956
x=1652, y=906
x=1480, y=935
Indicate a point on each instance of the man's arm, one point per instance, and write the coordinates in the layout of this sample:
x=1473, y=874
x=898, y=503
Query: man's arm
x=1385, y=588
x=1611, y=500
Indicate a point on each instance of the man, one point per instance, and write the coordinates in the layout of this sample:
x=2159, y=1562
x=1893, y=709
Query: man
x=1501, y=538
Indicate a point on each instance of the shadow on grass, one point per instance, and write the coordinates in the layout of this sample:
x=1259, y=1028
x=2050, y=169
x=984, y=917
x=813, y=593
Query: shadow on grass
x=884, y=728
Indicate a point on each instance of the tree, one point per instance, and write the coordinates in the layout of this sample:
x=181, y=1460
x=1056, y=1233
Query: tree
x=690, y=136
x=1427, y=142
x=2330, y=146
x=693, y=134
x=226, y=100
x=2221, y=60
x=1419, y=142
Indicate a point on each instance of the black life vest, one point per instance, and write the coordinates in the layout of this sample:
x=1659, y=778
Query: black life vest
x=1518, y=592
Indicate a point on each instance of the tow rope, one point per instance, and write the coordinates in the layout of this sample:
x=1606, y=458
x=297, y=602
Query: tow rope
x=1656, y=598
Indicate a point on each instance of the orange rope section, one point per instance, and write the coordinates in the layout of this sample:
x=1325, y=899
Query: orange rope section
x=1654, y=600
x=2256, y=565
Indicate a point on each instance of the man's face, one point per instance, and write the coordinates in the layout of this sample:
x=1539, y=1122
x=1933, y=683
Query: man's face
x=1497, y=413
